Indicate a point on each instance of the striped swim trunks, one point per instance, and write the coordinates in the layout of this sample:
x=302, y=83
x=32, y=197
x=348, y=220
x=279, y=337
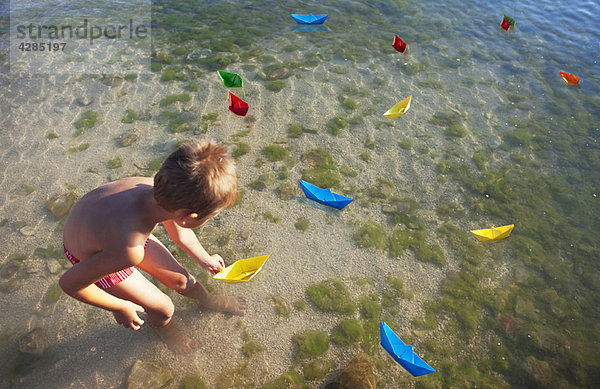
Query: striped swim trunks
x=109, y=280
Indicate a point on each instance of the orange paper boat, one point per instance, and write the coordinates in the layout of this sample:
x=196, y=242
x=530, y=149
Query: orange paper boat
x=569, y=78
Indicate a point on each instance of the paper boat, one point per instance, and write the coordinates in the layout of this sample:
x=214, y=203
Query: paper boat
x=507, y=22
x=231, y=80
x=494, y=233
x=242, y=270
x=402, y=353
x=309, y=19
x=569, y=78
x=324, y=196
x=398, y=109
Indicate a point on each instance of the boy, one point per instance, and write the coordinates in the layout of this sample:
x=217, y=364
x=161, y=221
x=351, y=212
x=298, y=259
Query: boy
x=109, y=232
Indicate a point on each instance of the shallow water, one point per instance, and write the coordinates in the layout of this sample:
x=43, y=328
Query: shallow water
x=494, y=136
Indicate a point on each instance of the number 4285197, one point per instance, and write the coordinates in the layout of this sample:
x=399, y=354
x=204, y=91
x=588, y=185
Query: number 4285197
x=43, y=46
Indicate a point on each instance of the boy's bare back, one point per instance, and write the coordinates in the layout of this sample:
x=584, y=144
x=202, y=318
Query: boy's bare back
x=111, y=217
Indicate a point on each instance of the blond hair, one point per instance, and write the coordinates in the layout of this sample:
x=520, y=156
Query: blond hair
x=199, y=176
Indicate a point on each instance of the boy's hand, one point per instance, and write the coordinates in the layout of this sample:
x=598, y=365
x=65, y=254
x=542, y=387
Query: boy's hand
x=214, y=264
x=127, y=316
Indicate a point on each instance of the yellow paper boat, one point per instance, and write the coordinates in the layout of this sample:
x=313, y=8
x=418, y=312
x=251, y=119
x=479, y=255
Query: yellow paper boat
x=494, y=233
x=242, y=270
x=398, y=109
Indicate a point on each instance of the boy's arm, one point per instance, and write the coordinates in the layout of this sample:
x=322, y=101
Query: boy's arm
x=188, y=241
x=78, y=282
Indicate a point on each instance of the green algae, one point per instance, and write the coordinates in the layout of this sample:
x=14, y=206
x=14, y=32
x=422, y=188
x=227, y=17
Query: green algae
x=382, y=189
x=300, y=305
x=347, y=332
x=52, y=135
x=251, y=346
x=339, y=70
x=182, y=97
x=130, y=116
x=370, y=308
x=264, y=180
x=291, y=379
x=193, y=382
x=371, y=234
x=302, y=225
x=114, y=163
x=53, y=294
x=336, y=124
x=350, y=105
x=295, y=130
x=402, y=239
x=241, y=148
x=86, y=121
x=310, y=344
x=405, y=144
x=275, y=85
x=275, y=153
x=280, y=305
x=348, y=171
x=79, y=148
x=365, y=156
x=286, y=190
x=397, y=288
x=270, y=217
x=331, y=296
x=323, y=177
x=317, y=369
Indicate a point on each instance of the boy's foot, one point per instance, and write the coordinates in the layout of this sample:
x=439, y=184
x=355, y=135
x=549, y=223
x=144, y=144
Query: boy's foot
x=176, y=340
x=228, y=304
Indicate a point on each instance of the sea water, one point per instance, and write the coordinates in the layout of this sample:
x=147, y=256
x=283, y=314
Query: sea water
x=493, y=136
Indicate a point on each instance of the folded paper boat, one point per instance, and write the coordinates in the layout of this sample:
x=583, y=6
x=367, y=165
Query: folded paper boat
x=324, y=196
x=309, y=19
x=402, y=353
x=242, y=270
x=398, y=109
x=494, y=233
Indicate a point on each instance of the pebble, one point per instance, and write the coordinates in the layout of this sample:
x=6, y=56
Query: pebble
x=84, y=101
x=27, y=231
x=54, y=266
x=148, y=375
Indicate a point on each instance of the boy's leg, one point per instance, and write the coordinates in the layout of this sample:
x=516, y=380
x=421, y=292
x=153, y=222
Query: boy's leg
x=159, y=262
x=159, y=308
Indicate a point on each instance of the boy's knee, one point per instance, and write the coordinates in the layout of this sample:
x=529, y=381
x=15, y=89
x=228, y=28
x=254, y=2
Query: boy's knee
x=161, y=316
x=183, y=283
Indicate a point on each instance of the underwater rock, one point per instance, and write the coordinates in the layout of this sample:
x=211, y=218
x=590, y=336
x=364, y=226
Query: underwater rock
x=170, y=146
x=9, y=269
x=84, y=101
x=60, y=108
x=148, y=375
x=34, y=342
x=197, y=54
x=370, y=143
x=397, y=206
x=129, y=137
x=525, y=308
x=549, y=341
x=508, y=324
x=27, y=231
x=61, y=204
x=278, y=73
x=539, y=372
x=357, y=375
x=54, y=267
x=145, y=115
x=112, y=80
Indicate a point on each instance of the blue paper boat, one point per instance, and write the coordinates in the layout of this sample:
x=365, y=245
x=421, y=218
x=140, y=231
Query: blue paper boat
x=309, y=19
x=402, y=353
x=324, y=196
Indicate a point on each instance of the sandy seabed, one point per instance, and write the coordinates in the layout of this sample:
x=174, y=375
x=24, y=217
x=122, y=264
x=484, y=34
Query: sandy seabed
x=88, y=349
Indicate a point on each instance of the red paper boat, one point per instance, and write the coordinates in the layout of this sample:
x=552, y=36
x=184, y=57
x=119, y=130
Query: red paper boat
x=237, y=105
x=399, y=44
